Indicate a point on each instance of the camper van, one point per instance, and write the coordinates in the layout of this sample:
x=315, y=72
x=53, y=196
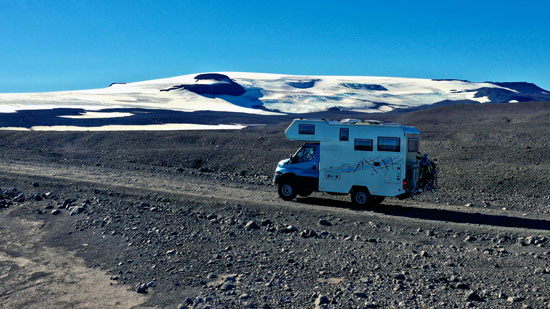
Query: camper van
x=370, y=160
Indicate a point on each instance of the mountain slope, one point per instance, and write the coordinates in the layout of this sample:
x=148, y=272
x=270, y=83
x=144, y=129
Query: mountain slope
x=265, y=94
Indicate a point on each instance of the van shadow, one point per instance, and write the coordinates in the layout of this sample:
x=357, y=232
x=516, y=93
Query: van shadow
x=441, y=215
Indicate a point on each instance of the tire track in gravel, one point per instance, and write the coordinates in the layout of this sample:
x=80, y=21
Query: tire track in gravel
x=35, y=275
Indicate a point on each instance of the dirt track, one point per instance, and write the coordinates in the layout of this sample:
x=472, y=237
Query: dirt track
x=196, y=187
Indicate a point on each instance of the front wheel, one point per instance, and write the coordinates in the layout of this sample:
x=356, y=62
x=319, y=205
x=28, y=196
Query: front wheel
x=287, y=190
x=361, y=198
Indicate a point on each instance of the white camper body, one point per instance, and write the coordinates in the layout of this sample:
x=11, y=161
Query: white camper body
x=378, y=157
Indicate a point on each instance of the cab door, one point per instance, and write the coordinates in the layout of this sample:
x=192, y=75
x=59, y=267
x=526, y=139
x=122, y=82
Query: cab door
x=306, y=160
x=305, y=164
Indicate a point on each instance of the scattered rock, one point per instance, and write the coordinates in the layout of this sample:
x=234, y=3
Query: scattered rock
x=227, y=286
x=473, y=296
x=290, y=229
x=68, y=203
x=308, y=233
x=324, y=222
x=539, y=270
x=141, y=288
x=251, y=225
x=514, y=299
x=360, y=294
x=55, y=212
x=19, y=198
x=76, y=210
x=321, y=300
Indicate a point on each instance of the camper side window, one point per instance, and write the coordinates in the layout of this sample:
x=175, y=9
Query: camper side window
x=413, y=145
x=363, y=144
x=344, y=134
x=306, y=129
x=389, y=144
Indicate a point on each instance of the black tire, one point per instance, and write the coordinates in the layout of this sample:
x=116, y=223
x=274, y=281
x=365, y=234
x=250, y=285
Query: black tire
x=361, y=198
x=287, y=190
x=376, y=199
x=304, y=193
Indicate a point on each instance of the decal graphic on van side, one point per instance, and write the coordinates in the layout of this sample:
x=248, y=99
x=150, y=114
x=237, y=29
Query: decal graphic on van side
x=375, y=165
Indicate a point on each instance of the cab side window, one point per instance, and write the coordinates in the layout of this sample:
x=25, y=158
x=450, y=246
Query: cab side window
x=309, y=154
x=305, y=154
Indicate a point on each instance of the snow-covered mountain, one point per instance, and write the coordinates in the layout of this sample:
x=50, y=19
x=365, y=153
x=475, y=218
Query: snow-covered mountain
x=269, y=94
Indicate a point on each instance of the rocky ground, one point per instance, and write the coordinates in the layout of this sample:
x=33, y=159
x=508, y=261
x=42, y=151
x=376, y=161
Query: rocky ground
x=190, y=219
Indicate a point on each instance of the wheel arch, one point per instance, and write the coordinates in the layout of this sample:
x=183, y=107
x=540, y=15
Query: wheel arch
x=356, y=188
x=286, y=177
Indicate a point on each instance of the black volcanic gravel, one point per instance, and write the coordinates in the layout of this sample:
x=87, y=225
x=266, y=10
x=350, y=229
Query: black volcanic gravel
x=213, y=248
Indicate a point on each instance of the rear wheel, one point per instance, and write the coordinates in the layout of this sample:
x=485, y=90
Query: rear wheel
x=287, y=190
x=361, y=197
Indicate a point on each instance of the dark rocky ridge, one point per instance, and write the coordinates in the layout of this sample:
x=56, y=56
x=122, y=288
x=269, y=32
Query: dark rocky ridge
x=497, y=95
x=224, y=86
x=303, y=84
x=365, y=86
x=522, y=87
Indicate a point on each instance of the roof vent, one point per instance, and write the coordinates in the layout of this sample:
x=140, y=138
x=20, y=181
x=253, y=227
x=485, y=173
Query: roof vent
x=378, y=122
x=350, y=121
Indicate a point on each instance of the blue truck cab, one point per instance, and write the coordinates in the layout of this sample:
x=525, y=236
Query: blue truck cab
x=303, y=168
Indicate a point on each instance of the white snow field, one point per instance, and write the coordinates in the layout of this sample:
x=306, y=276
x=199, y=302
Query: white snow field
x=149, y=127
x=264, y=94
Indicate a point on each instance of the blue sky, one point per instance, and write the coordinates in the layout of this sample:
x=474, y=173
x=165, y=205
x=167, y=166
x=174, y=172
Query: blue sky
x=62, y=45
